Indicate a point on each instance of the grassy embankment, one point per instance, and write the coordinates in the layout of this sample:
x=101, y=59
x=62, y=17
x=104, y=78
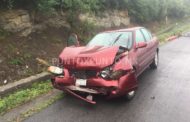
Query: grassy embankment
x=24, y=95
x=176, y=28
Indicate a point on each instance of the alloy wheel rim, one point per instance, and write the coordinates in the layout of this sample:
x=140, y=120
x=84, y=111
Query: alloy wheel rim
x=132, y=93
x=156, y=59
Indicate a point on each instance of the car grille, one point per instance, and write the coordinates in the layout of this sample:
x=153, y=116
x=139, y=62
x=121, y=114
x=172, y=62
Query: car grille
x=83, y=74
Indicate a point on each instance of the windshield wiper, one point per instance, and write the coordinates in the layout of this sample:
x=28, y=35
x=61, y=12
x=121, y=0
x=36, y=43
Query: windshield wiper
x=117, y=39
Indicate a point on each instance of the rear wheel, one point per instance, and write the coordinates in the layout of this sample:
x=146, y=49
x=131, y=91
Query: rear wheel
x=155, y=62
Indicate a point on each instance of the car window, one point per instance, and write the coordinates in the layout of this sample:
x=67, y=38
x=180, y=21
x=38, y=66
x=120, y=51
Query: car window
x=139, y=37
x=150, y=34
x=146, y=34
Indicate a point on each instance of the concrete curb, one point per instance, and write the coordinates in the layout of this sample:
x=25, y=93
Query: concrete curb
x=11, y=87
x=171, y=38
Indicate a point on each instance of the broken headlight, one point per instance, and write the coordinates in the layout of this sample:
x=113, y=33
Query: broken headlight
x=113, y=75
x=117, y=74
x=105, y=73
x=55, y=70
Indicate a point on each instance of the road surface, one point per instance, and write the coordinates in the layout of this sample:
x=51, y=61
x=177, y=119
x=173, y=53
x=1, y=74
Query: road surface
x=163, y=95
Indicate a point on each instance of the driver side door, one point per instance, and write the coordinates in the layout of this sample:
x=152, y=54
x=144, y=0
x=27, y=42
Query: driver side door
x=141, y=54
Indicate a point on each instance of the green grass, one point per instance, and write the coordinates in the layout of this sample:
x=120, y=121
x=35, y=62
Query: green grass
x=22, y=96
x=16, y=61
x=40, y=107
x=173, y=29
x=3, y=33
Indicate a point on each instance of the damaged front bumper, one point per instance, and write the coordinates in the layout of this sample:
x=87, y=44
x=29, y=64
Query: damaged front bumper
x=95, y=85
x=92, y=86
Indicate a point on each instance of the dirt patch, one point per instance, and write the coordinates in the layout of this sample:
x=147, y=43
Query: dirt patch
x=18, y=55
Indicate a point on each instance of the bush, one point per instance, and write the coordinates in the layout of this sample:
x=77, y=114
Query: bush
x=155, y=10
x=40, y=5
x=82, y=5
x=45, y=5
x=140, y=10
x=3, y=33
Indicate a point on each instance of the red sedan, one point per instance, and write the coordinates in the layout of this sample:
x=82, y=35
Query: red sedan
x=108, y=65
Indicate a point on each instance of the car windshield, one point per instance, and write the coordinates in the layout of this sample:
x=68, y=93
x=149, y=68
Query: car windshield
x=123, y=39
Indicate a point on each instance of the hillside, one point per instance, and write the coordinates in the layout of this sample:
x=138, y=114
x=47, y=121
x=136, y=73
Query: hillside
x=30, y=29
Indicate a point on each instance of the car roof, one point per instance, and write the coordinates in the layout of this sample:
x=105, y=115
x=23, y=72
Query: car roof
x=123, y=30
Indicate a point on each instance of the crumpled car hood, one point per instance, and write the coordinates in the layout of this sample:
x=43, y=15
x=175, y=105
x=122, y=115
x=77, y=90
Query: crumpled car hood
x=96, y=57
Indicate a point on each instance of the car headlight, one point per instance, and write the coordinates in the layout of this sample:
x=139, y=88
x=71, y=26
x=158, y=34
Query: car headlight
x=117, y=74
x=114, y=75
x=55, y=70
x=105, y=74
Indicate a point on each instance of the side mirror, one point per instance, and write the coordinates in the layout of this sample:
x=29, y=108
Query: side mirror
x=141, y=45
x=73, y=40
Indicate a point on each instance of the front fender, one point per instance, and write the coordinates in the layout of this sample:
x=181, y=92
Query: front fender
x=126, y=84
x=123, y=64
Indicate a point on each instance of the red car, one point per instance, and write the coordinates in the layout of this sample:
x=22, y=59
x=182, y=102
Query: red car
x=108, y=65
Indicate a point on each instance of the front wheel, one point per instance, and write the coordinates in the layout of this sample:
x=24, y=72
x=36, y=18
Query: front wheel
x=155, y=62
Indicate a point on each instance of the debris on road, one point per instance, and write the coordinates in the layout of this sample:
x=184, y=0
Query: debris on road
x=5, y=81
x=153, y=98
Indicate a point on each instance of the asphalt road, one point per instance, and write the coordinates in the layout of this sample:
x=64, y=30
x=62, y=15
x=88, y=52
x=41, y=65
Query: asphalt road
x=163, y=95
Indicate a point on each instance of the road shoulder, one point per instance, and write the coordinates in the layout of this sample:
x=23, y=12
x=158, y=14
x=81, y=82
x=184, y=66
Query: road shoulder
x=26, y=110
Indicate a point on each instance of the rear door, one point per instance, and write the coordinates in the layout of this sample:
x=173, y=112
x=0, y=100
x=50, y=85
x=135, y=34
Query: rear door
x=151, y=48
x=141, y=54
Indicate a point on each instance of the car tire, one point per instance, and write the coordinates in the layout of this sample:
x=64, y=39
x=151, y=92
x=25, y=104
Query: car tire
x=154, y=64
x=130, y=95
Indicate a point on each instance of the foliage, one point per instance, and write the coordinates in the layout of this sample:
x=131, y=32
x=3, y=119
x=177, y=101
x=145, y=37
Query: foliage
x=82, y=5
x=152, y=10
x=16, y=61
x=87, y=29
x=45, y=5
x=3, y=33
x=22, y=96
x=179, y=10
x=39, y=5
x=173, y=29
x=140, y=10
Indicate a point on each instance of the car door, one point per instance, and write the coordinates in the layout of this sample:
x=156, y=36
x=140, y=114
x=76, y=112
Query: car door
x=141, y=54
x=150, y=45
